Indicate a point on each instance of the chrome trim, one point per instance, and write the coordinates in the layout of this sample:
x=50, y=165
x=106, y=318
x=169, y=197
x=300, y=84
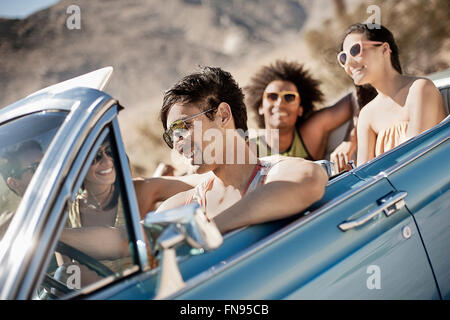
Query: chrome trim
x=73, y=182
x=328, y=166
x=396, y=200
x=141, y=247
x=341, y=176
x=64, y=101
x=68, y=186
x=18, y=266
x=367, y=182
x=75, y=179
x=29, y=279
x=41, y=105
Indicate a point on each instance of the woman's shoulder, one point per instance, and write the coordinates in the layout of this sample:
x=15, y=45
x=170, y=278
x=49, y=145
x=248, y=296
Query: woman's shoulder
x=423, y=93
x=425, y=101
x=370, y=108
x=422, y=85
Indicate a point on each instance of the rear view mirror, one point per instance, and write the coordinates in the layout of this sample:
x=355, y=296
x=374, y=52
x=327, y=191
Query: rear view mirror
x=330, y=167
x=165, y=230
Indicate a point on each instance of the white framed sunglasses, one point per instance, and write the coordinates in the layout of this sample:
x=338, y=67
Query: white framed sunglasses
x=356, y=50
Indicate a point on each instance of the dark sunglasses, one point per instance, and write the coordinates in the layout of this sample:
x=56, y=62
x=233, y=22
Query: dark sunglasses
x=356, y=50
x=101, y=153
x=286, y=96
x=179, y=128
x=31, y=167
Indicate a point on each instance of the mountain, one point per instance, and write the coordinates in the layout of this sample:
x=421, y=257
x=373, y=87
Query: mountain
x=150, y=43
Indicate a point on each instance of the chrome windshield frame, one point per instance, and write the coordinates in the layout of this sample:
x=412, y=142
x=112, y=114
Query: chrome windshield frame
x=34, y=212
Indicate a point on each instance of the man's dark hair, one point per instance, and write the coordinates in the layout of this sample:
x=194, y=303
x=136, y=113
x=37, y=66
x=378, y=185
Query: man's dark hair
x=207, y=88
x=9, y=162
x=294, y=72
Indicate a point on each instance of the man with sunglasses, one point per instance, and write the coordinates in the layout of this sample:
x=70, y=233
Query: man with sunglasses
x=19, y=165
x=17, y=168
x=284, y=96
x=234, y=194
x=241, y=189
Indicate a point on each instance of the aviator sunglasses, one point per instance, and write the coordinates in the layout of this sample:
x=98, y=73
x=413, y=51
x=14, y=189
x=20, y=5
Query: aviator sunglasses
x=178, y=127
x=286, y=96
x=101, y=153
x=356, y=50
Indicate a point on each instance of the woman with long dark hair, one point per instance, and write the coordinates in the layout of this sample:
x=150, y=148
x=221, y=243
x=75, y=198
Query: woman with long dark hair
x=400, y=106
x=97, y=202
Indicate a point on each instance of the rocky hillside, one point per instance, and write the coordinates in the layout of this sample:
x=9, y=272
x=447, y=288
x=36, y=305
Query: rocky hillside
x=150, y=44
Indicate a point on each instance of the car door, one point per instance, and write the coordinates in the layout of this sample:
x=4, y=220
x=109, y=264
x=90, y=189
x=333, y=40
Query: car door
x=78, y=265
x=427, y=178
x=313, y=258
x=381, y=258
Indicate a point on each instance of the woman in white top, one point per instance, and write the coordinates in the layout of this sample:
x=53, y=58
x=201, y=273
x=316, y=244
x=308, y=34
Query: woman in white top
x=404, y=105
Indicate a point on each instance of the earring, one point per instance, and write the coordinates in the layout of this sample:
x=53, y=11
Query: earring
x=260, y=111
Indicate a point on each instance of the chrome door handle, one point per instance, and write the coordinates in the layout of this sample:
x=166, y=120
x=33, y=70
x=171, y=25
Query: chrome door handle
x=389, y=204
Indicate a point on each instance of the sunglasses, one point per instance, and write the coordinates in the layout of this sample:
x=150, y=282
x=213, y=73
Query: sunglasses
x=179, y=128
x=102, y=152
x=31, y=167
x=286, y=96
x=356, y=50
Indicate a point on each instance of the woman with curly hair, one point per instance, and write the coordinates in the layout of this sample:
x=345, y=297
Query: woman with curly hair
x=403, y=105
x=284, y=95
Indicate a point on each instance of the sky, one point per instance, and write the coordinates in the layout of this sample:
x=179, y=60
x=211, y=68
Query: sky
x=22, y=8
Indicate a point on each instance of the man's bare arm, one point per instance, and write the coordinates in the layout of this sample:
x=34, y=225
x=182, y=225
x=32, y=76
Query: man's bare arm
x=291, y=186
x=150, y=191
x=102, y=243
x=316, y=130
x=334, y=116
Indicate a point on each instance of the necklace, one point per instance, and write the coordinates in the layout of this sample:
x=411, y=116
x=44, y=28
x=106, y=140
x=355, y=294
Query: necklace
x=98, y=205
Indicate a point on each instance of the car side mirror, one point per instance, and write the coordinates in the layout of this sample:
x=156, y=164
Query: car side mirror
x=166, y=229
x=330, y=167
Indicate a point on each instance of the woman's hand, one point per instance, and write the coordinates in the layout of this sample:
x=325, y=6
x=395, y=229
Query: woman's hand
x=343, y=154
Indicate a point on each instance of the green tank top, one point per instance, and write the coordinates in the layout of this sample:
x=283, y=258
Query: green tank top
x=297, y=148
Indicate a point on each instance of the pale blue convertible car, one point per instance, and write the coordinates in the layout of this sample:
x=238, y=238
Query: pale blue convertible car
x=382, y=230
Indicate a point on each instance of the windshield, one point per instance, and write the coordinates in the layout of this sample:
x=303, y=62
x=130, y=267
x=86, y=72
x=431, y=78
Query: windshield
x=23, y=143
